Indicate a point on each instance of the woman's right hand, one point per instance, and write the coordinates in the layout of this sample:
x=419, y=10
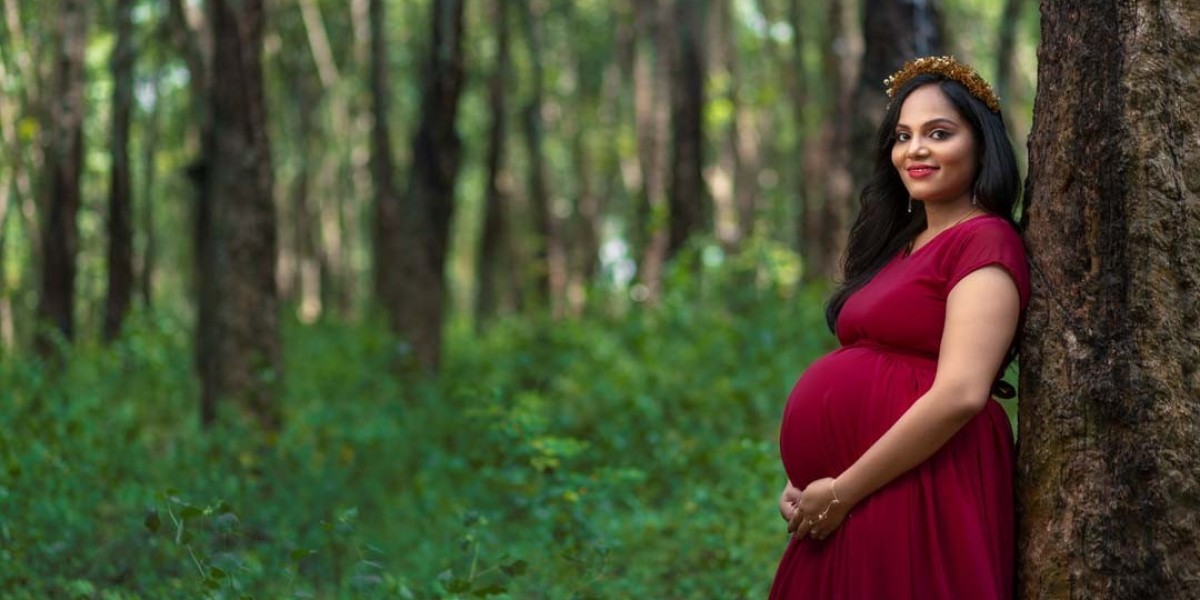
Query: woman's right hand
x=789, y=501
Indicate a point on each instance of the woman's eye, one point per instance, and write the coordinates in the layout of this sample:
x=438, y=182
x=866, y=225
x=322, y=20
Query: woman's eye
x=902, y=137
x=939, y=134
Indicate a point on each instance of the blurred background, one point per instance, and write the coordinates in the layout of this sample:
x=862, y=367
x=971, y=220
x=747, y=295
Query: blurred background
x=517, y=287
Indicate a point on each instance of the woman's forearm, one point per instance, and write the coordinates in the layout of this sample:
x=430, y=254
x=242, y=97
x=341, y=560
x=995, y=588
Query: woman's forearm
x=923, y=429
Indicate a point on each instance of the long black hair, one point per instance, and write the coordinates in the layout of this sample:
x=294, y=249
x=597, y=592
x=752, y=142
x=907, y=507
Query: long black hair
x=884, y=224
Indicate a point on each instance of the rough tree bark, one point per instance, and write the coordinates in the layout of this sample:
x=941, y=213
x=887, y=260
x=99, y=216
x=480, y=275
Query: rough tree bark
x=686, y=193
x=1109, y=463
x=246, y=363
x=120, y=200
x=429, y=201
x=63, y=164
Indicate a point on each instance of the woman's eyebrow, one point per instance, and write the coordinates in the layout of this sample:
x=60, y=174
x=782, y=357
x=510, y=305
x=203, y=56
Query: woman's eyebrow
x=937, y=121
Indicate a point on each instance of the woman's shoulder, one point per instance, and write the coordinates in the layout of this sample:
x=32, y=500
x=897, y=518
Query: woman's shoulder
x=989, y=240
x=990, y=229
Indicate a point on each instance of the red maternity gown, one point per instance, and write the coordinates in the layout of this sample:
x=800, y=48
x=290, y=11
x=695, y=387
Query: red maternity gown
x=944, y=530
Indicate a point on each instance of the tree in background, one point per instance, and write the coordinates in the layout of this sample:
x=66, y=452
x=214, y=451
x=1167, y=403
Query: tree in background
x=244, y=358
x=496, y=285
x=387, y=234
x=1110, y=397
x=547, y=269
x=651, y=91
x=63, y=163
x=893, y=32
x=120, y=201
x=417, y=311
x=826, y=161
x=687, y=194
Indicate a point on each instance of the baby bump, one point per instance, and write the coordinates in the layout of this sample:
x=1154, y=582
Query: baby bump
x=843, y=403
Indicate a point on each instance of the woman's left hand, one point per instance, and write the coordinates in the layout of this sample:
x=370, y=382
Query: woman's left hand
x=819, y=512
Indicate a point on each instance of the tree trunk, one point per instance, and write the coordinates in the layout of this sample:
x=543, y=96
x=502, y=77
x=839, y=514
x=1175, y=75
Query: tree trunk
x=149, y=254
x=7, y=337
x=247, y=363
x=1006, y=46
x=549, y=263
x=388, y=219
x=429, y=202
x=651, y=74
x=63, y=164
x=120, y=201
x=14, y=194
x=724, y=176
x=495, y=270
x=1109, y=479
x=828, y=154
x=687, y=194
x=581, y=238
x=893, y=32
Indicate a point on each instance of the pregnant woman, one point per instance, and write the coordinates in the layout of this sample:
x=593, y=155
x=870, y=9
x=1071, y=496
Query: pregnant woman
x=899, y=463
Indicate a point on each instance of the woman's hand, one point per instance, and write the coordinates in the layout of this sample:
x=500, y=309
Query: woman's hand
x=819, y=512
x=788, y=501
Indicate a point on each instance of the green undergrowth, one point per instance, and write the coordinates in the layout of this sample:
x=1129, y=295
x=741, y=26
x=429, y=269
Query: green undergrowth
x=628, y=453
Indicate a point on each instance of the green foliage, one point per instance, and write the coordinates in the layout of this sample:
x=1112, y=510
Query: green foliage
x=611, y=456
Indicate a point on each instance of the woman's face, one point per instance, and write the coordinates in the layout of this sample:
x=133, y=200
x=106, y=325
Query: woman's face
x=934, y=149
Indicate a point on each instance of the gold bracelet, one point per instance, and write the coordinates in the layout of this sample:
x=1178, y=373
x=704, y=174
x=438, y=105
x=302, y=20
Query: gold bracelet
x=824, y=513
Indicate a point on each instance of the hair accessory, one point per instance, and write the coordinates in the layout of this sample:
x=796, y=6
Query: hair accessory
x=947, y=67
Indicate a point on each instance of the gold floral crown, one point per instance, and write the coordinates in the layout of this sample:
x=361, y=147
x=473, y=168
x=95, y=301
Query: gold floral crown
x=949, y=68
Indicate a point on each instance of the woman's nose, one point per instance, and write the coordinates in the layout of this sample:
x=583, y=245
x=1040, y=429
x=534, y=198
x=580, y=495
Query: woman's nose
x=916, y=147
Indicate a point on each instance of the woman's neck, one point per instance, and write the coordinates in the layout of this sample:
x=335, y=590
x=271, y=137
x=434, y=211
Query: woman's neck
x=940, y=217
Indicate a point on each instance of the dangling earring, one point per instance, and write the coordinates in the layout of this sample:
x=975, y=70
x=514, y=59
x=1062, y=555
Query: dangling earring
x=974, y=199
x=910, y=205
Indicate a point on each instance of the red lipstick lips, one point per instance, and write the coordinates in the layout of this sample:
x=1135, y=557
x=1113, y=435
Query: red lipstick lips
x=919, y=171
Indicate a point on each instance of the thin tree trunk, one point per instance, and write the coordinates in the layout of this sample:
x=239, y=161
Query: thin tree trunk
x=549, y=258
x=1006, y=46
x=388, y=218
x=829, y=154
x=120, y=200
x=190, y=36
x=149, y=255
x=1108, y=476
x=495, y=260
x=723, y=175
x=652, y=107
x=687, y=194
x=322, y=266
x=429, y=202
x=247, y=365
x=588, y=210
x=16, y=192
x=299, y=265
x=582, y=236
x=63, y=166
x=24, y=62
x=7, y=333
x=893, y=31
x=804, y=188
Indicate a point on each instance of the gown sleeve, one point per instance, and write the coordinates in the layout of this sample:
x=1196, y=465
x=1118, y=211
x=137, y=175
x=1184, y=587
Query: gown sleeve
x=993, y=242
